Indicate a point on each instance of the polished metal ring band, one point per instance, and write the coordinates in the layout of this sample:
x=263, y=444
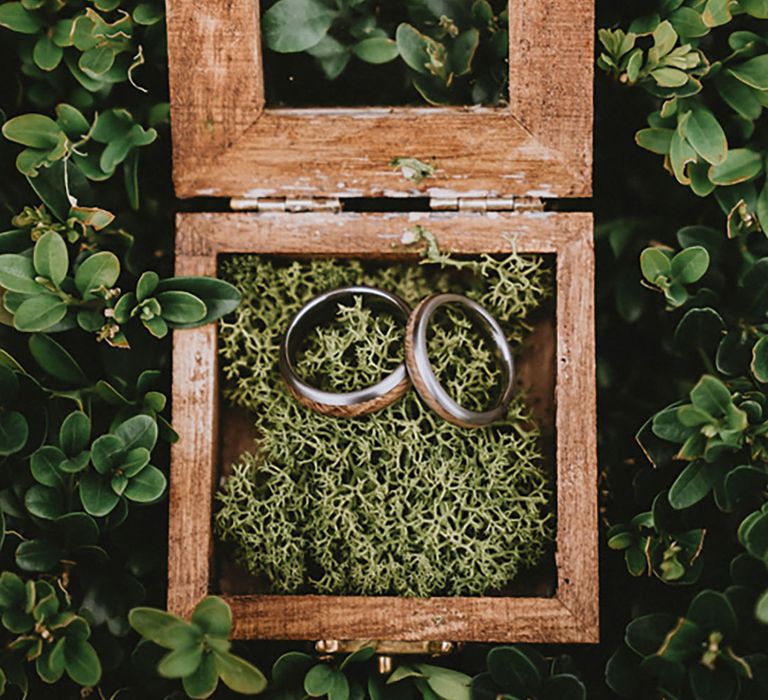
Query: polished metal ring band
x=423, y=376
x=352, y=403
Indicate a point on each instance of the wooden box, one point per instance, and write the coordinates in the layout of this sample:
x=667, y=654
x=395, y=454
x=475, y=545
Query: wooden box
x=229, y=144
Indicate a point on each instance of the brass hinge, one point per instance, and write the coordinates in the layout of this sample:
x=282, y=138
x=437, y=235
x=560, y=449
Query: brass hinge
x=484, y=204
x=286, y=204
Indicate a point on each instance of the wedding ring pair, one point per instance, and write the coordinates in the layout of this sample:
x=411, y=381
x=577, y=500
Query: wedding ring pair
x=416, y=369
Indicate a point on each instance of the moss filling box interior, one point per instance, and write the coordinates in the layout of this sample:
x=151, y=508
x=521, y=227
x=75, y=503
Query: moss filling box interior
x=400, y=501
x=230, y=143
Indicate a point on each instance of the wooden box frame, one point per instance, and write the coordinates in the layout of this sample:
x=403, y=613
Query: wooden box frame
x=572, y=614
x=227, y=143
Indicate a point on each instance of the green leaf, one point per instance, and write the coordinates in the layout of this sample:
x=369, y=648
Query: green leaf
x=712, y=611
x=46, y=54
x=163, y=628
x=364, y=653
x=50, y=257
x=98, y=270
x=690, y=265
x=33, y=130
x=44, y=502
x=82, y=663
x=156, y=326
x=72, y=121
x=446, y=682
x=181, y=662
x=753, y=72
x=139, y=431
x=762, y=208
x=219, y=297
x=688, y=23
x=14, y=432
x=700, y=330
x=146, y=285
x=413, y=47
x=332, y=56
x=147, y=14
x=755, y=8
x=512, y=670
x=759, y=365
x=106, y=451
x=181, y=307
x=95, y=62
x=761, y=608
x=664, y=40
x=203, y=681
x=706, y=135
x=147, y=486
x=213, y=616
x=711, y=395
x=289, y=668
x=463, y=51
x=44, y=465
x=645, y=635
x=17, y=18
x=655, y=140
x=376, y=50
x=50, y=664
x=56, y=361
x=37, y=555
x=716, y=13
x=95, y=217
x=564, y=686
x=669, y=77
x=17, y=274
x=284, y=34
x=741, y=165
x=319, y=680
x=693, y=484
x=134, y=461
x=239, y=675
x=75, y=433
x=655, y=264
x=738, y=96
x=39, y=313
x=97, y=495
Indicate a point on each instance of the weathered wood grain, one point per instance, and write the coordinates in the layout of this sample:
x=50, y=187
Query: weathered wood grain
x=227, y=144
x=572, y=615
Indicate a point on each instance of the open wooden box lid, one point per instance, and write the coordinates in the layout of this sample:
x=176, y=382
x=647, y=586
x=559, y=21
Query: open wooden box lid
x=227, y=143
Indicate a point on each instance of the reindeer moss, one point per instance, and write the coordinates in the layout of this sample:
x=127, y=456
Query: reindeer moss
x=397, y=502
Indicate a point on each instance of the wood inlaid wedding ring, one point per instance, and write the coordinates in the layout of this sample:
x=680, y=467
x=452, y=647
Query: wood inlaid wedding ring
x=423, y=375
x=344, y=404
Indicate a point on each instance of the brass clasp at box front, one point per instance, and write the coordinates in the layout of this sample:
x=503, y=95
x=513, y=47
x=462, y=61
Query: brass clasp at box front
x=385, y=651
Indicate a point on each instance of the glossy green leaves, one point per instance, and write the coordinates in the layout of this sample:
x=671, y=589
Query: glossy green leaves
x=672, y=273
x=436, y=48
x=46, y=290
x=198, y=650
x=121, y=467
x=47, y=632
x=523, y=673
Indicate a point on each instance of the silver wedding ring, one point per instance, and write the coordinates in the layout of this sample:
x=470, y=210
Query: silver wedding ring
x=351, y=403
x=423, y=376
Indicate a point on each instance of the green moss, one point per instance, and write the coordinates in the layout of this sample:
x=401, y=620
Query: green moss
x=399, y=501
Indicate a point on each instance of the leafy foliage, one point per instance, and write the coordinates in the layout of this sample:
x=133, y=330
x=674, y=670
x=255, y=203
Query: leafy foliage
x=83, y=437
x=450, y=51
x=703, y=495
x=199, y=649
